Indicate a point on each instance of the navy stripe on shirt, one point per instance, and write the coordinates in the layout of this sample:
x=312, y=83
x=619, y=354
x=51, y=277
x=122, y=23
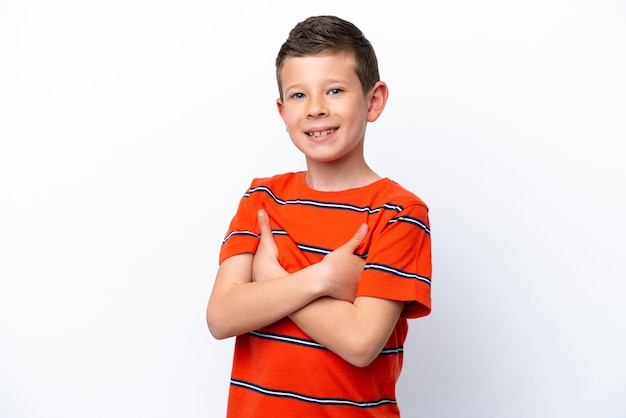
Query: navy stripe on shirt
x=311, y=343
x=330, y=205
x=312, y=399
x=396, y=272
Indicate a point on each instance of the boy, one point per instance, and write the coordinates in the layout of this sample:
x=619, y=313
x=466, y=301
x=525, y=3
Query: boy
x=320, y=269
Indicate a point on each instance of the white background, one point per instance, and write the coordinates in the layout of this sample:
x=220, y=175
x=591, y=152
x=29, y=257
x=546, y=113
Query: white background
x=130, y=129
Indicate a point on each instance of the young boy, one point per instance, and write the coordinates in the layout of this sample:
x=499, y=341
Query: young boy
x=320, y=269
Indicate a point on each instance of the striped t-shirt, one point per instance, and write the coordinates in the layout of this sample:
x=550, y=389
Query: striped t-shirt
x=278, y=371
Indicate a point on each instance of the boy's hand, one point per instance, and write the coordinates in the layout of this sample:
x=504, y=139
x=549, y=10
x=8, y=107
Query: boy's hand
x=265, y=263
x=338, y=273
x=343, y=268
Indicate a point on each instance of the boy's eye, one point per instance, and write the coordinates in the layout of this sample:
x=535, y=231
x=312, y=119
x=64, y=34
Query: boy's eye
x=335, y=91
x=297, y=95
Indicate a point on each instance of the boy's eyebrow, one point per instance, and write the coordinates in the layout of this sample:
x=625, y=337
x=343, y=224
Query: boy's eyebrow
x=292, y=86
x=327, y=81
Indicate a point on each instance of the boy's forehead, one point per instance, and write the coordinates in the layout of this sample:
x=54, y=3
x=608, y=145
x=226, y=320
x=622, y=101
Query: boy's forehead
x=333, y=59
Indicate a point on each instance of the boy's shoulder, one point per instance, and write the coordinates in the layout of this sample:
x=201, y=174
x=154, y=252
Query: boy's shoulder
x=277, y=180
x=395, y=192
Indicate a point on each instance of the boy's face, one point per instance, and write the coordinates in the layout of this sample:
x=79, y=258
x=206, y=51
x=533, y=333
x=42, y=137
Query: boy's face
x=324, y=107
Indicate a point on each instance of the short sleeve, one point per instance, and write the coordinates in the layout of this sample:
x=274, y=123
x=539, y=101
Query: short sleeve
x=243, y=231
x=398, y=265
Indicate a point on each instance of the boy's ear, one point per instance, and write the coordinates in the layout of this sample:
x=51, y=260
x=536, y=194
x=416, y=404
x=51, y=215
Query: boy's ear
x=377, y=100
x=280, y=108
x=281, y=111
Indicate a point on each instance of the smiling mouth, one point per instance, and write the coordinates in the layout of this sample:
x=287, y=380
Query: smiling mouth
x=321, y=133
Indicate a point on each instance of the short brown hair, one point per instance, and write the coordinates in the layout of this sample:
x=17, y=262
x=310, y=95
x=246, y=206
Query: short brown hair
x=330, y=34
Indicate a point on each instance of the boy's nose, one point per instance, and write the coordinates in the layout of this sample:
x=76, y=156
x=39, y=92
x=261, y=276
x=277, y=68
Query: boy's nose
x=317, y=107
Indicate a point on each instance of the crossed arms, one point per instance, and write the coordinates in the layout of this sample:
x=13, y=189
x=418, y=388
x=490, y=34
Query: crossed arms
x=253, y=291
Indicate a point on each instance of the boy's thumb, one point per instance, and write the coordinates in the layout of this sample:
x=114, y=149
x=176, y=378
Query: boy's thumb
x=264, y=222
x=358, y=237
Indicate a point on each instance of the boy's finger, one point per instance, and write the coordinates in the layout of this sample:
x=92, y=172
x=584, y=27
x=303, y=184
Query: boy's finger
x=357, y=238
x=264, y=222
x=361, y=233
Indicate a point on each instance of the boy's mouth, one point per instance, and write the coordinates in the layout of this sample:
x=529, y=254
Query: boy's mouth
x=321, y=133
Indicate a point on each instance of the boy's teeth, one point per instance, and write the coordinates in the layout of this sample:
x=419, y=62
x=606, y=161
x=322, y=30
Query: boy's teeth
x=320, y=133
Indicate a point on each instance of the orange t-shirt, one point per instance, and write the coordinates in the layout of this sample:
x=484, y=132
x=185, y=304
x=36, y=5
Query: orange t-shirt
x=279, y=370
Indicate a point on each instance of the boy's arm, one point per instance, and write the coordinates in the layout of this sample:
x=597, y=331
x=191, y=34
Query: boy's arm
x=355, y=329
x=240, y=303
x=356, y=332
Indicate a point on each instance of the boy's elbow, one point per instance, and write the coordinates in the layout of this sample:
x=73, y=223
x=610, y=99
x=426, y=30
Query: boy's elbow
x=217, y=333
x=362, y=353
x=360, y=361
x=216, y=325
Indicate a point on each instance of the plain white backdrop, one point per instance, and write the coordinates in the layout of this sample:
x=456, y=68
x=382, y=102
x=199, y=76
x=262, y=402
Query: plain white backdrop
x=130, y=129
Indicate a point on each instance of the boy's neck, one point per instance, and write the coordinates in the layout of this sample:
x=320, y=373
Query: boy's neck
x=329, y=177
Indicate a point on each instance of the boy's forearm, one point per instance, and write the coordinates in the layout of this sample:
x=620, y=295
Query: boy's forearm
x=357, y=331
x=250, y=306
x=240, y=306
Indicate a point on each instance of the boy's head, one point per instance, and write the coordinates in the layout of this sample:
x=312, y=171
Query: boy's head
x=320, y=35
